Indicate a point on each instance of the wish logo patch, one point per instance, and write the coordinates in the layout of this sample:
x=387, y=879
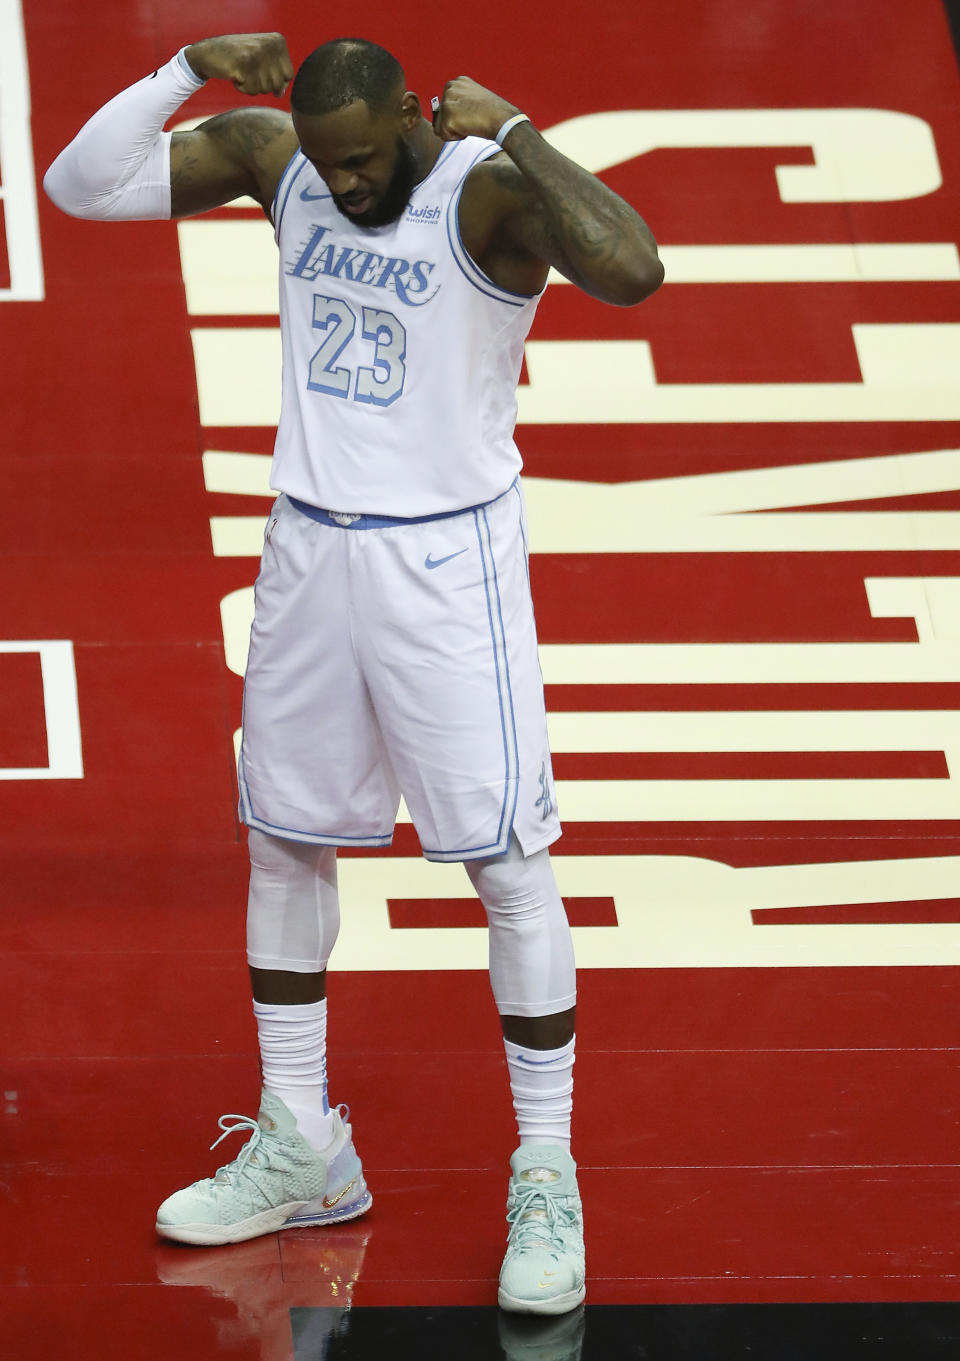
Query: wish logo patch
x=428, y=213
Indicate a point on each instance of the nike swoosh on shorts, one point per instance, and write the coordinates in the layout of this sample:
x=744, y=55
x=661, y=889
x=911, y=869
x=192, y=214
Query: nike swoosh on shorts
x=430, y=563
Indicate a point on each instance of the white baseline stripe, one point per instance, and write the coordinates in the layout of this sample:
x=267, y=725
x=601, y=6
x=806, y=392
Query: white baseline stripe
x=61, y=712
x=18, y=192
x=824, y=730
x=780, y=532
x=747, y=663
x=804, y=263
x=754, y=800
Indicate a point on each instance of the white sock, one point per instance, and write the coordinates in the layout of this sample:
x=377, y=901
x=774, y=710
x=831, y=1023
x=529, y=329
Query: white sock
x=293, y=1055
x=541, y=1081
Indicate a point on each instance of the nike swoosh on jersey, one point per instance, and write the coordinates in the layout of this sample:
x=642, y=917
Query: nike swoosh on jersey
x=307, y=197
x=430, y=563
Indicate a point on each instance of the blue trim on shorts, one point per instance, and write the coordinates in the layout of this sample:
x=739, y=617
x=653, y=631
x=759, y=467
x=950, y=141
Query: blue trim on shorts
x=327, y=517
x=318, y=838
x=249, y=818
x=514, y=749
x=508, y=724
x=523, y=533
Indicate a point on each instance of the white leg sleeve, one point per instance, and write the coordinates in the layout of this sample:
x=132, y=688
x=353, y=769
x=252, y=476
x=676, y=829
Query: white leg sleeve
x=531, y=951
x=118, y=165
x=293, y=910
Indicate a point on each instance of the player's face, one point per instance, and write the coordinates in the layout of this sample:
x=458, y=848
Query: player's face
x=364, y=159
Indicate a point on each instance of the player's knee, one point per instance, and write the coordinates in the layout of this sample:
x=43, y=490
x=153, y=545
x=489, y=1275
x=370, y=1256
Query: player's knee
x=532, y=966
x=275, y=855
x=293, y=913
x=514, y=886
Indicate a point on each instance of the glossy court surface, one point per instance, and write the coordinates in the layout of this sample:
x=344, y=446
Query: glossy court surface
x=744, y=514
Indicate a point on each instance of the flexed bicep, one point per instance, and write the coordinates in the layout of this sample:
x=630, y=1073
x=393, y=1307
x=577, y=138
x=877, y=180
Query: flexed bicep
x=121, y=165
x=240, y=152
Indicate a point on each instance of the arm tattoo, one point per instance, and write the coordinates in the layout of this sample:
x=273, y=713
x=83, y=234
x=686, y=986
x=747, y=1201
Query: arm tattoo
x=182, y=171
x=247, y=131
x=569, y=218
x=224, y=156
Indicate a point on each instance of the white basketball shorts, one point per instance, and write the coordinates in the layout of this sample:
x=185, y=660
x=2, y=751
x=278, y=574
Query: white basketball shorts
x=395, y=657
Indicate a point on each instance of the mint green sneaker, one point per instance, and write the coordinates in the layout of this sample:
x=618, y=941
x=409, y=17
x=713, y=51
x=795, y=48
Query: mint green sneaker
x=543, y=1271
x=277, y=1181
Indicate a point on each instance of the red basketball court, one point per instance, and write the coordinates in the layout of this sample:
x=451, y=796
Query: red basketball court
x=745, y=516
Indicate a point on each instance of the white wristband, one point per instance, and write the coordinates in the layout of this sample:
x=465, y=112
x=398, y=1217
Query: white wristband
x=510, y=123
x=188, y=70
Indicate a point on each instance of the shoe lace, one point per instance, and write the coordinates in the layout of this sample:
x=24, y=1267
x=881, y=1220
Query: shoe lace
x=537, y=1216
x=232, y=1124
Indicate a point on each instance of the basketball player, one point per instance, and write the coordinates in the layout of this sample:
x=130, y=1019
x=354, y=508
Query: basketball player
x=393, y=648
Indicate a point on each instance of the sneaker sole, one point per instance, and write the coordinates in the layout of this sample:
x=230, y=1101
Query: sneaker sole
x=269, y=1221
x=556, y=1304
x=338, y=1215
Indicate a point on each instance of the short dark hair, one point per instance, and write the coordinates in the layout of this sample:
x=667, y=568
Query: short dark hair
x=343, y=71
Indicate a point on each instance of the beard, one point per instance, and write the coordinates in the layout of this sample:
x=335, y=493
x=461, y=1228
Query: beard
x=393, y=200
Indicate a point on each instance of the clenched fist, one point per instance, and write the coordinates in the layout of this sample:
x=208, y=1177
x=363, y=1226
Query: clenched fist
x=256, y=63
x=468, y=110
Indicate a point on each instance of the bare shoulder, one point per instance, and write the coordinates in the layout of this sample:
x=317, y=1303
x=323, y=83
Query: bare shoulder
x=243, y=151
x=496, y=193
x=496, y=188
x=493, y=192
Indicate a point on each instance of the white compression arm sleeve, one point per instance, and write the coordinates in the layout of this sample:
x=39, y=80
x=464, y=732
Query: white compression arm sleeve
x=118, y=165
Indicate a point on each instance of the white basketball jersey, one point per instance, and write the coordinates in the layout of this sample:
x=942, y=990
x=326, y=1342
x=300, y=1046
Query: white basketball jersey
x=400, y=357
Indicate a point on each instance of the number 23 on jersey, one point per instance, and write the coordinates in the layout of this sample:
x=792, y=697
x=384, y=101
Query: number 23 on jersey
x=380, y=383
